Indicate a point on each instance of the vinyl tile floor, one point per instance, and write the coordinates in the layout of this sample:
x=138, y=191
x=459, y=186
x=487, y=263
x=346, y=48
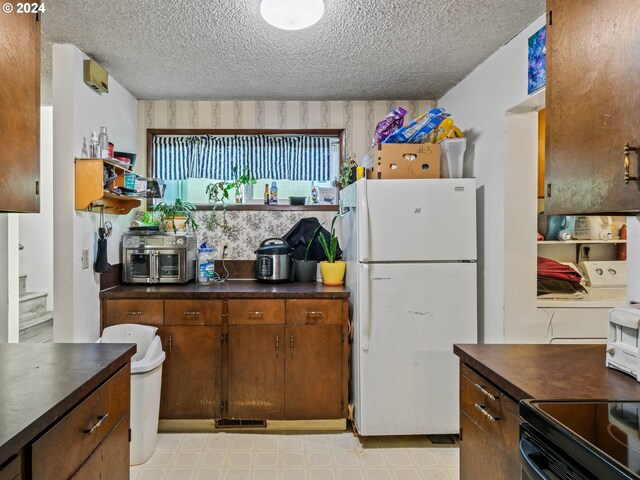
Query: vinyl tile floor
x=303, y=456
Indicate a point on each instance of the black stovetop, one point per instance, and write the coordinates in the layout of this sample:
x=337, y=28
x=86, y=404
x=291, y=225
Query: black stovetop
x=602, y=436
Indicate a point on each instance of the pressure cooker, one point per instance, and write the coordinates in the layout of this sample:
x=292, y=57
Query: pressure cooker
x=273, y=261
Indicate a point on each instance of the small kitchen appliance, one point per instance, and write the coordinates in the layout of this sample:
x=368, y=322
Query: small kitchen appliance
x=605, y=274
x=623, y=350
x=151, y=257
x=273, y=261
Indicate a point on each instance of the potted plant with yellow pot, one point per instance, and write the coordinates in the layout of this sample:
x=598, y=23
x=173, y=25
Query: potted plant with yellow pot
x=332, y=270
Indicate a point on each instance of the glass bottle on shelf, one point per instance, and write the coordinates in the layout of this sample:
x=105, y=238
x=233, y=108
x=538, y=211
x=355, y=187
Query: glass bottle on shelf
x=266, y=194
x=274, y=194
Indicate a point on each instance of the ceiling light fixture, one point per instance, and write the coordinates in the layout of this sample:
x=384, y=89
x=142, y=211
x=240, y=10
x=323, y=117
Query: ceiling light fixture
x=292, y=14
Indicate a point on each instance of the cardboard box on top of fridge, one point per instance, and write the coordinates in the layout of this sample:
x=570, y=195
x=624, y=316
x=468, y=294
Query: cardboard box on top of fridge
x=405, y=160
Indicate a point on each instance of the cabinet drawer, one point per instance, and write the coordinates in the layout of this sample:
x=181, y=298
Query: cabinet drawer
x=193, y=312
x=11, y=471
x=60, y=451
x=314, y=312
x=110, y=461
x=491, y=410
x=256, y=312
x=146, y=312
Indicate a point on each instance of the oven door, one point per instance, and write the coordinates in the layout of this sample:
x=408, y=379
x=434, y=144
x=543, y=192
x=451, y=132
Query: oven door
x=170, y=266
x=541, y=460
x=139, y=266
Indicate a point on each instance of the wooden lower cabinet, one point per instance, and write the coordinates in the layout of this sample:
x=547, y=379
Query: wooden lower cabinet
x=255, y=369
x=92, y=440
x=490, y=432
x=254, y=359
x=191, y=376
x=313, y=372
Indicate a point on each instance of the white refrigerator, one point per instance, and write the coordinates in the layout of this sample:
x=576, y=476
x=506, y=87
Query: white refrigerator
x=410, y=248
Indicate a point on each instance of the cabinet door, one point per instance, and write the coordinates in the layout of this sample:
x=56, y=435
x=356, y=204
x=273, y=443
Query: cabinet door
x=191, y=373
x=313, y=372
x=20, y=107
x=592, y=98
x=480, y=457
x=255, y=369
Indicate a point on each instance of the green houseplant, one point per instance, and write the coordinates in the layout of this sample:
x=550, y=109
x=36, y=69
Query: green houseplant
x=182, y=212
x=219, y=195
x=332, y=270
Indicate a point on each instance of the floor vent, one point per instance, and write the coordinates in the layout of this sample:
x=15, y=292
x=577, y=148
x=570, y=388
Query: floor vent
x=233, y=423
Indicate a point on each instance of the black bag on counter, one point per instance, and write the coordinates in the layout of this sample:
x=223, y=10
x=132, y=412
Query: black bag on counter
x=300, y=235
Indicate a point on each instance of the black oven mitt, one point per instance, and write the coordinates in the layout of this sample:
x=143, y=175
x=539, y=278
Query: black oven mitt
x=102, y=263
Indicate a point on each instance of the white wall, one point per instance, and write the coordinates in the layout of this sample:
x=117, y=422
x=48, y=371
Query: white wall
x=479, y=104
x=36, y=229
x=77, y=111
x=9, y=264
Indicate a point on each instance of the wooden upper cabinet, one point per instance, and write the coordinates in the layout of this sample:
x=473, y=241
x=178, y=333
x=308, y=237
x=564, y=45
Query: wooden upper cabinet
x=19, y=112
x=592, y=100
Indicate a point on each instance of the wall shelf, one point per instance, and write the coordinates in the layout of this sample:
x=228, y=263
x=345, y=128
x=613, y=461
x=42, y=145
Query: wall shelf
x=90, y=194
x=579, y=242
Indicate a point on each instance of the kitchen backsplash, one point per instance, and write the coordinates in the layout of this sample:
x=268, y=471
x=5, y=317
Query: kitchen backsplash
x=249, y=228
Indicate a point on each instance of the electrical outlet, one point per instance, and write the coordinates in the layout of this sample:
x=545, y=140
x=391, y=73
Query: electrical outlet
x=85, y=258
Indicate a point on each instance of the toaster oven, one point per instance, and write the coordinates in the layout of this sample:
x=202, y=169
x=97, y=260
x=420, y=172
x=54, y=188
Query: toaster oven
x=157, y=258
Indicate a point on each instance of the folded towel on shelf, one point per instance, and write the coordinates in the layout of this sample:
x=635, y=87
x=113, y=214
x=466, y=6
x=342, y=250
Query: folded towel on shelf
x=551, y=269
x=553, y=288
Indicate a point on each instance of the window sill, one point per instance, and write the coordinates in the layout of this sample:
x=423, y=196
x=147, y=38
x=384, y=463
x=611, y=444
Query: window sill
x=271, y=208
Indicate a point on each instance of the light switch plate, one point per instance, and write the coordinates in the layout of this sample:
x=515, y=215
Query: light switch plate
x=85, y=259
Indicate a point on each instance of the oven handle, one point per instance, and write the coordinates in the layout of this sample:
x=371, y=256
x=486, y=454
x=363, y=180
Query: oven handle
x=532, y=469
x=155, y=275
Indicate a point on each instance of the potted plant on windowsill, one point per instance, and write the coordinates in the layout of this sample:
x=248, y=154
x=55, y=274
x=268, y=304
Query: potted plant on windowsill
x=177, y=216
x=305, y=270
x=218, y=193
x=332, y=269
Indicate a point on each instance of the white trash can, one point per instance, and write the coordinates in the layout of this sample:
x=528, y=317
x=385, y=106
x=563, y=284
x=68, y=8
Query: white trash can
x=146, y=377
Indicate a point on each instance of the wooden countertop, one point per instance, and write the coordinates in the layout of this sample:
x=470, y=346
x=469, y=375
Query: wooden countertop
x=227, y=289
x=40, y=383
x=550, y=372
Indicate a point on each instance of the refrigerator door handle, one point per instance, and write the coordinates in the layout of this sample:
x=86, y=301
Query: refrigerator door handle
x=363, y=227
x=365, y=317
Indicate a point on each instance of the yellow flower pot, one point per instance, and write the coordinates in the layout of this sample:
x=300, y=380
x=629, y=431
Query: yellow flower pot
x=333, y=273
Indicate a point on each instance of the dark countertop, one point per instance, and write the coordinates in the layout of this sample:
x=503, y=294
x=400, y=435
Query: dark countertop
x=40, y=383
x=550, y=372
x=228, y=289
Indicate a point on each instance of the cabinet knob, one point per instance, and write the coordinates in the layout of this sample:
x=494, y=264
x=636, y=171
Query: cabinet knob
x=291, y=344
x=277, y=344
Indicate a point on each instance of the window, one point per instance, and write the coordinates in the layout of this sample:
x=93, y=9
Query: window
x=297, y=161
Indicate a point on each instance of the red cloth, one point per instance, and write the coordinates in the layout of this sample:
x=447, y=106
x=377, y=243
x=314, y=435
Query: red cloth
x=552, y=269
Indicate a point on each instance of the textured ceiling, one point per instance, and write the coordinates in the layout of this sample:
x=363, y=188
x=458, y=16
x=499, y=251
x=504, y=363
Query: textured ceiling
x=222, y=49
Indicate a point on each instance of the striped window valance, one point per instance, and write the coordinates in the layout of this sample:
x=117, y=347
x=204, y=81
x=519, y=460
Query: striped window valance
x=301, y=157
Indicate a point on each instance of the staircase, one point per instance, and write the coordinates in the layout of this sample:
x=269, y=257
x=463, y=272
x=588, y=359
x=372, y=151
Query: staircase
x=36, y=323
